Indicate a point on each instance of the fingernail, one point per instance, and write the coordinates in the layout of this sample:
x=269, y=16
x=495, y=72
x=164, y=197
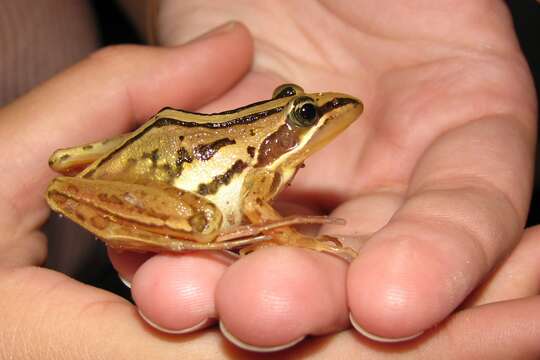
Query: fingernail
x=228, y=26
x=259, y=349
x=188, y=330
x=377, y=338
x=124, y=281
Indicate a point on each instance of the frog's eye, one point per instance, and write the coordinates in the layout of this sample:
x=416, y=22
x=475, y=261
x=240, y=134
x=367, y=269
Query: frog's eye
x=303, y=112
x=287, y=90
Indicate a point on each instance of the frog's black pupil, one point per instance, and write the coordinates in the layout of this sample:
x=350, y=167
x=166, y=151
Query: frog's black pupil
x=308, y=112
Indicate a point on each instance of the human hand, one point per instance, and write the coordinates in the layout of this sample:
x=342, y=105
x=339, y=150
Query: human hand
x=498, y=321
x=440, y=172
x=46, y=314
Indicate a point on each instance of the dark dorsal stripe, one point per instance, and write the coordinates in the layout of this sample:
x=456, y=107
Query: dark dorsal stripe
x=247, y=119
x=226, y=112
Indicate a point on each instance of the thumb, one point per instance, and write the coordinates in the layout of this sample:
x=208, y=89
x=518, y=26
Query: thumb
x=104, y=95
x=46, y=314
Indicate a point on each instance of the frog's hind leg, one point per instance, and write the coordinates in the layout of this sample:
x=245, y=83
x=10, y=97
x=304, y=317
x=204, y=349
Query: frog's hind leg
x=146, y=241
x=144, y=218
x=71, y=161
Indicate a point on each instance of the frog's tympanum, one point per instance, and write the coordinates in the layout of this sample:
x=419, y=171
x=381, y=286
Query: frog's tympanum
x=189, y=181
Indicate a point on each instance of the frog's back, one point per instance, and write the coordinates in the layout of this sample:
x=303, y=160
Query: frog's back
x=209, y=155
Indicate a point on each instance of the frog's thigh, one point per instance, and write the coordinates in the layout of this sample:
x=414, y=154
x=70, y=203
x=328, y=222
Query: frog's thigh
x=258, y=210
x=137, y=216
x=73, y=160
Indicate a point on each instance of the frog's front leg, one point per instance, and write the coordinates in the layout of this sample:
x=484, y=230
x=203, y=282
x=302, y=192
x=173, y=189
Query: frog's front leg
x=140, y=217
x=259, y=189
x=71, y=161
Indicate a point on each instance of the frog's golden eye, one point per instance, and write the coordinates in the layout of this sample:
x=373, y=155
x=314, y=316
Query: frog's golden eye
x=287, y=90
x=303, y=112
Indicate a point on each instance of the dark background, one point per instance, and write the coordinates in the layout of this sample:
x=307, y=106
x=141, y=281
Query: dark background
x=115, y=28
x=526, y=14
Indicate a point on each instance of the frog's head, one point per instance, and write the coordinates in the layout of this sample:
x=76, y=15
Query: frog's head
x=309, y=122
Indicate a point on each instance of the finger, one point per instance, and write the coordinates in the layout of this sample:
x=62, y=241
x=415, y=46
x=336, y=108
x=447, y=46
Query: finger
x=80, y=321
x=364, y=215
x=126, y=263
x=175, y=293
x=507, y=330
x=276, y=296
x=518, y=276
x=102, y=96
x=502, y=330
x=186, y=287
x=113, y=89
x=463, y=211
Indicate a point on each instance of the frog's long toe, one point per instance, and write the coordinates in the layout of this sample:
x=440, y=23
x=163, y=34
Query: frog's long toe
x=253, y=229
x=334, y=247
x=324, y=243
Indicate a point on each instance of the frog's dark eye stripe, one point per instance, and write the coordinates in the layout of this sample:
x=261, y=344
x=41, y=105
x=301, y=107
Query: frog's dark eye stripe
x=336, y=103
x=276, y=144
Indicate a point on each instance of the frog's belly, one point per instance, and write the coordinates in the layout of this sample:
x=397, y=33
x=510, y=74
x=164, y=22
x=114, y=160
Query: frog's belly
x=227, y=199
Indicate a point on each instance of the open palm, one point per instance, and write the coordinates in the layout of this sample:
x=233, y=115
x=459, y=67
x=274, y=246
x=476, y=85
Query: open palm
x=438, y=168
x=436, y=174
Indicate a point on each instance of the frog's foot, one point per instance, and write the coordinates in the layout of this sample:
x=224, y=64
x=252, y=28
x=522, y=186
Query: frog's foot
x=288, y=236
x=254, y=229
x=334, y=246
x=251, y=248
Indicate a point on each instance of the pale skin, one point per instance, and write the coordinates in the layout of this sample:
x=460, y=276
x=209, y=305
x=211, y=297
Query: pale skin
x=78, y=319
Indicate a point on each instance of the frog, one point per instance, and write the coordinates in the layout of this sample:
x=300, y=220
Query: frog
x=186, y=181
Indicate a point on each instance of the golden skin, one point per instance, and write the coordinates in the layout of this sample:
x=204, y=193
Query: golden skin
x=186, y=181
